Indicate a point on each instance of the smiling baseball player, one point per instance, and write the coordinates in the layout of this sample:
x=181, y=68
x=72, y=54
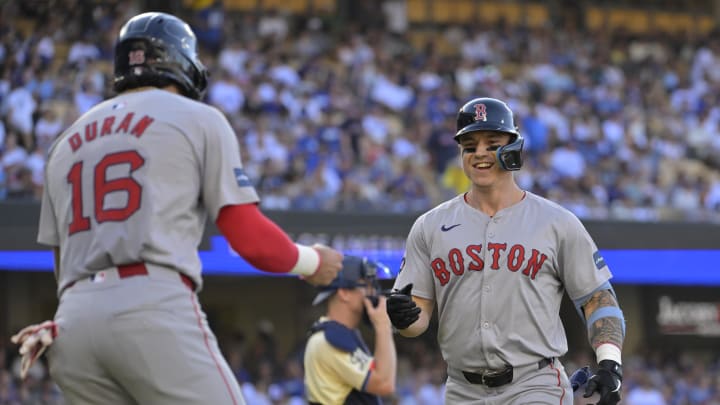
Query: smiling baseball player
x=497, y=260
x=129, y=187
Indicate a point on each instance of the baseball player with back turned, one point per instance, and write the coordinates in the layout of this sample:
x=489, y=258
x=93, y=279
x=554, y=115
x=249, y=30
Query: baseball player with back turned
x=497, y=260
x=129, y=187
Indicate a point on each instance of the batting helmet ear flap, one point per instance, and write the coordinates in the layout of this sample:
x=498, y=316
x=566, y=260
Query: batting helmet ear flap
x=510, y=155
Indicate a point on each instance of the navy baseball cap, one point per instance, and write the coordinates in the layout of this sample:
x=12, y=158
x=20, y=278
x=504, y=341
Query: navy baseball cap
x=356, y=272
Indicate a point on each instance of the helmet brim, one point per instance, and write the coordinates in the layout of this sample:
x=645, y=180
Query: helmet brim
x=485, y=126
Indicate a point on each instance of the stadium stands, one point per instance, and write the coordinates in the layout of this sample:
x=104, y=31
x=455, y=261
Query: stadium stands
x=623, y=125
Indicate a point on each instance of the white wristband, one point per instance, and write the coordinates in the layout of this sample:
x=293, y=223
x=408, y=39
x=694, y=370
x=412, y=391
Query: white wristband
x=308, y=261
x=608, y=351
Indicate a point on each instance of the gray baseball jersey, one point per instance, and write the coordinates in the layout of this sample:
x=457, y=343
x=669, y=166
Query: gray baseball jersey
x=128, y=189
x=498, y=281
x=134, y=179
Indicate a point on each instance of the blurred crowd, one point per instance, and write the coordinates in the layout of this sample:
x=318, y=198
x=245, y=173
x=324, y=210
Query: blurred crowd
x=267, y=378
x=358, y=114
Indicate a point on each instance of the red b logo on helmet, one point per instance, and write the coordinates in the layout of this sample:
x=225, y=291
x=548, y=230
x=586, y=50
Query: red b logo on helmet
x=480, y=112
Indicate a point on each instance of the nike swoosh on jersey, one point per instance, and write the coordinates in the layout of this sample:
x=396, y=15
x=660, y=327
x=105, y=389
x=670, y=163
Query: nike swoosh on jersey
x=447, y=228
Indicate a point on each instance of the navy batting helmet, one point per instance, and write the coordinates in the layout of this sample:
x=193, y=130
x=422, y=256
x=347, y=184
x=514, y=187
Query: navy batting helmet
x=158, y=49
x=490, y=114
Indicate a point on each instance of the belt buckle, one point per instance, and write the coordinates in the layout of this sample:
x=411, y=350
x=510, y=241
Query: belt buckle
x=494, y=375
x=484, y=377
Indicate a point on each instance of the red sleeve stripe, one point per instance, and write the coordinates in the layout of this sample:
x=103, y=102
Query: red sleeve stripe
x=256, y=238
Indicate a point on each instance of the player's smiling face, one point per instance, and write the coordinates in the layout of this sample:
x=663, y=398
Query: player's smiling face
x=479, y=156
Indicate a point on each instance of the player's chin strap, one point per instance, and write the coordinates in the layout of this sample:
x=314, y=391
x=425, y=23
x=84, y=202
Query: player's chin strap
x=33, y=341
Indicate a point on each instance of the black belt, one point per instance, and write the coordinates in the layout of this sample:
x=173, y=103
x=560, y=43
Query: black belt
x=499, y=377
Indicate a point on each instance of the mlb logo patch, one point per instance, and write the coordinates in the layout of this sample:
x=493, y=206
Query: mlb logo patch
x=98, y=277
x=242, y=179
x=599, y=261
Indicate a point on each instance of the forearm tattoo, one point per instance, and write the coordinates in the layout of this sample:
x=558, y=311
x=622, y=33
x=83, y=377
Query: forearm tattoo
x=607, y=329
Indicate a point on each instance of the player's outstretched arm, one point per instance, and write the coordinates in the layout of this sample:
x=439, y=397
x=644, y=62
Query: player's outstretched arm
x=330, y=262
x=267, y=247
x=606, y=333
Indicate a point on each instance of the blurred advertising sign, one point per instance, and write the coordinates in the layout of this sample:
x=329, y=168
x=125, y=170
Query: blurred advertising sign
x=677, y=317
x=682, y=317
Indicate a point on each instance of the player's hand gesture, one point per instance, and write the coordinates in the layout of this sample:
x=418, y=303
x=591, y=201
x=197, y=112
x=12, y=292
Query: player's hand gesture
x=330, y=265
x=377, y=313
x=33, y=341
x=401, y=308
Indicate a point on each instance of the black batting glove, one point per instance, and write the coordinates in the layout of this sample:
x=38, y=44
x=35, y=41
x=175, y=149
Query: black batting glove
x=607, y=382
x=401, y=308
